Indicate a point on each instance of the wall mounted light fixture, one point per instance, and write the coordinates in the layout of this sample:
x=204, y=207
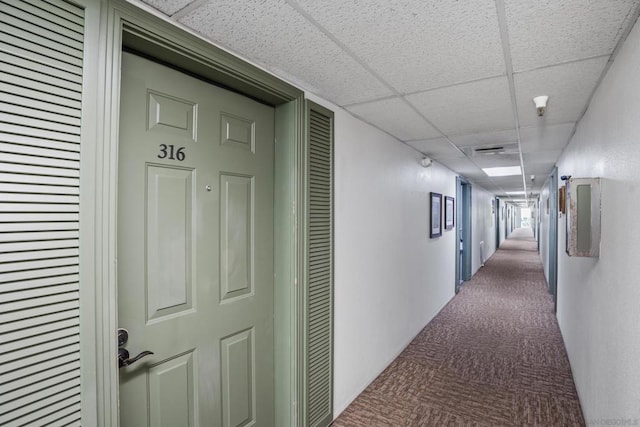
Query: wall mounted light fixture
x=426, y=162
x=541, y=104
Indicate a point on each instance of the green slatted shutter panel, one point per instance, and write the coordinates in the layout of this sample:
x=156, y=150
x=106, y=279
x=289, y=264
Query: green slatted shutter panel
x=41, y=52
x=319, y=280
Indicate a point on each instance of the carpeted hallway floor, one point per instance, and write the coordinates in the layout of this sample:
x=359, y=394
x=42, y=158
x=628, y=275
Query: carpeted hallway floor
x=493, y=356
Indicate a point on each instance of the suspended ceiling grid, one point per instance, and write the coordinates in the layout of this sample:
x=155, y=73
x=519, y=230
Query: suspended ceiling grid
x=446, y=77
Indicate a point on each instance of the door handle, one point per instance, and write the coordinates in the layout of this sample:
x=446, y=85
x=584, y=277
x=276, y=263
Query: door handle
x=123, y=357
x=123, y=353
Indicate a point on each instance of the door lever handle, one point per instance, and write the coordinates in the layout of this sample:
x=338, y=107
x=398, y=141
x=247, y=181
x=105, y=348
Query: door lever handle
x=123, y=357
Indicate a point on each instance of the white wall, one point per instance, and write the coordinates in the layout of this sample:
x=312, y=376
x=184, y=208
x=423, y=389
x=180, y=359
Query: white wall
x=483, y=227
x=599, y=299
x=391, y=279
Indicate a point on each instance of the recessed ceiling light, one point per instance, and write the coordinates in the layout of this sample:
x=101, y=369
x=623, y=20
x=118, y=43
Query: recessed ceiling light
x=503, y=171
x=515, y=193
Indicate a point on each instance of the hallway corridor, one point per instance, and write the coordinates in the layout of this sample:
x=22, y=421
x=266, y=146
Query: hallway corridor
x=493, y=356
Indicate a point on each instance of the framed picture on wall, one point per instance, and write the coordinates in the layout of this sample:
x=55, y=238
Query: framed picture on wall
x=449, y=212
x=436, y=215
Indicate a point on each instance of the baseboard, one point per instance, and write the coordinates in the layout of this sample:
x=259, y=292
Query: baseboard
x=337, y=410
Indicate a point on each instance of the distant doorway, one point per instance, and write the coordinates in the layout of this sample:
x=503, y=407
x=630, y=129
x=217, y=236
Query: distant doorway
x=525, y=218
x=463, y=232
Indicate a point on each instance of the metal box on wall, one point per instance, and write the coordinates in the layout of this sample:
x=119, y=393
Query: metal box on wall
x=583, y=217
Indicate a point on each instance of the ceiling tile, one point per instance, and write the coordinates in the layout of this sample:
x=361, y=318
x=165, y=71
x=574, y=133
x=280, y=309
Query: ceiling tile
x=485, y=138
x=474, y=107
x=436, y=148
x=461, y=165
x=274, y=35
x=568, y=86
x=545, y=138
x=541, y=171
x=541, y=159
x=491, y=161
x=416, y=44
x=551, y=32
x=540, y=164
x=504, y=183
x=393, y=115
x=168, y=7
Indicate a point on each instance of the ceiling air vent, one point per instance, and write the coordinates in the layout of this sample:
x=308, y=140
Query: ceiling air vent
x=489, y=150
x=505, y=150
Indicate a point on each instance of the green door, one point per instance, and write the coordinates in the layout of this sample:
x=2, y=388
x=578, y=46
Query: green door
x=195, y=251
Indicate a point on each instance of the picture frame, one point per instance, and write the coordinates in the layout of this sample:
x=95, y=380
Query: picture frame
x=436, y=215
x=449, y=212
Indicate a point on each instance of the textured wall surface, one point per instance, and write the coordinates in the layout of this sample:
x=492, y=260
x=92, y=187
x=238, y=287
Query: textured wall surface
x=391, y=279
x=598, y=298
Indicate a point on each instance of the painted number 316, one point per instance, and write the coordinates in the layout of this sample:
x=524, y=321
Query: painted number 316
x=170, y=152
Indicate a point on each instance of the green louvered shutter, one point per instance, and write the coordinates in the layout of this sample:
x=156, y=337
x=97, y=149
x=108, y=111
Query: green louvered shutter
x=41, y=52
x=319, y=283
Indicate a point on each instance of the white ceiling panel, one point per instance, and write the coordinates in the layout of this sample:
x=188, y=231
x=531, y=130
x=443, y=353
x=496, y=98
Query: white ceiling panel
x=568, y=86
x=541, y=158
x=486, y=185
x=416, y=44
x=486, y=138
x=169, y=7
x=479, y=106
x=545, y=138
x=506, y=183
x=550, y=32
x=416, y=68
x=436, y=148
x=393, y=115
x=274, y=35
x=462, y=165
x=541, y=171
x=488, y=161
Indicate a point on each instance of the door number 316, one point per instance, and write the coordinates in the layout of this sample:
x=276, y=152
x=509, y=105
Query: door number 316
x=170, y=152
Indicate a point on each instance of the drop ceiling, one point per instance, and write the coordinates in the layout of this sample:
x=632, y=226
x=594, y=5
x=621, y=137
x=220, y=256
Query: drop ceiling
x=452, y=79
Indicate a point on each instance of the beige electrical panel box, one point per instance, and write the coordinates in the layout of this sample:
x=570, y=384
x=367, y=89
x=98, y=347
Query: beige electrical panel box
x=583, y=217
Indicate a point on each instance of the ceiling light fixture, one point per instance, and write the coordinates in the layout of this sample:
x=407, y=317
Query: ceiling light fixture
x=503, y=171
x=541, y=104
x=514, y=193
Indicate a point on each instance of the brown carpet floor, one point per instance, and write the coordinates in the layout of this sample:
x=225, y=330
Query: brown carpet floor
x=493, y=356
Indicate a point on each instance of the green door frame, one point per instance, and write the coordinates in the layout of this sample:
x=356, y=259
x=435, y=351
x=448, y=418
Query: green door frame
x=537, y=208
x=507, y=221
x=497, y=220
x=125, y=26
x=463, y=232
x=553, y=236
